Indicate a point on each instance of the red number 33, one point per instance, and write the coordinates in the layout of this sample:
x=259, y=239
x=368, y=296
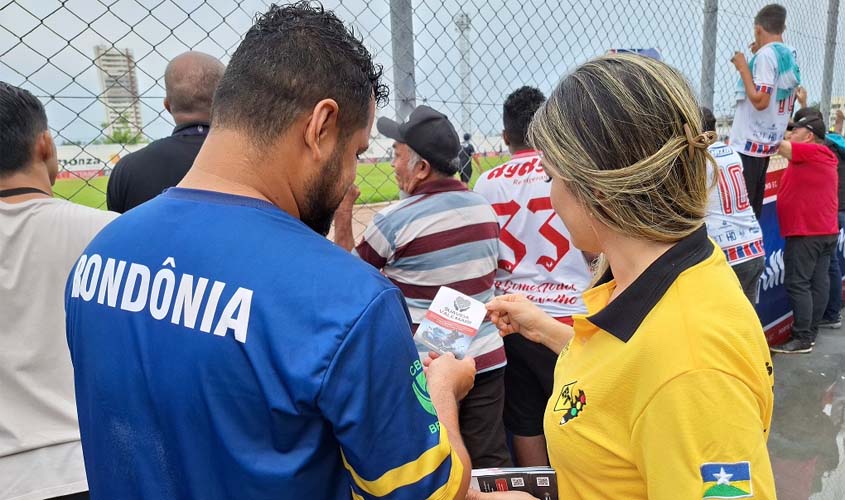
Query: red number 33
x=550, y=234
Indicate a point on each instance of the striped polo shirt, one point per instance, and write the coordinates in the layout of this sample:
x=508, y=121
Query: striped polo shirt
x=442, y=235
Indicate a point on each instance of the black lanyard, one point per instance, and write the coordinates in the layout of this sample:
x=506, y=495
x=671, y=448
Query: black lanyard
x=5, y=193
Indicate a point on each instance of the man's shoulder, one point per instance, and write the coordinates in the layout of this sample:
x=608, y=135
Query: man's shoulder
x=141, y=156
x=75, y=213
x=724, y=153
x=269, y=242
x=768, y=53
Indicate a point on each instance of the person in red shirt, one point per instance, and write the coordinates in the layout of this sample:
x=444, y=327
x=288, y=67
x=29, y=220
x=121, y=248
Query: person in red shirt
x=807, y=214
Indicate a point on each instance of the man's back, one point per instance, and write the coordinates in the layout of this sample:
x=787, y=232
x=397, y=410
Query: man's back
x=535, y=256
x=808, y=195
x=236, y=354
x=443, y=235
x=141, y=176
x=39, y=435
x=758, y=132
x=730, y=219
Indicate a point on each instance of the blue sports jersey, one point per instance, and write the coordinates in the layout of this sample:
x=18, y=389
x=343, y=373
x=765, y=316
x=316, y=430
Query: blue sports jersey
x=222, y=349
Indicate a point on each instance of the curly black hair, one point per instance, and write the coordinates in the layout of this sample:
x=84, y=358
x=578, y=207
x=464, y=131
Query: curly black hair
x=519, y=109
x=294, y=56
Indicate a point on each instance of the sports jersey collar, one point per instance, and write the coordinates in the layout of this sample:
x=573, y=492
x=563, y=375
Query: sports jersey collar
x=624, y=315
x=192, y=128
x=525, y=152
x=220, y=198
x=440, y=186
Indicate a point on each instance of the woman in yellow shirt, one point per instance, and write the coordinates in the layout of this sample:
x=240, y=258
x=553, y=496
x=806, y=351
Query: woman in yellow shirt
x=663, y=390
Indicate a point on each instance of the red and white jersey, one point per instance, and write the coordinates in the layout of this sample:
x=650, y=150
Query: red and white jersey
x=536, y=258
x=730, y=219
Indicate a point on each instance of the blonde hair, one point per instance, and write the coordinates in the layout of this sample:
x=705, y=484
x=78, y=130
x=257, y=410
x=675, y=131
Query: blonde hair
x=624, y=133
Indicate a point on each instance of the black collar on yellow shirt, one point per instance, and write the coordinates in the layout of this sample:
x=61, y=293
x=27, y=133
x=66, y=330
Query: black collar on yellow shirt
x=624, y=315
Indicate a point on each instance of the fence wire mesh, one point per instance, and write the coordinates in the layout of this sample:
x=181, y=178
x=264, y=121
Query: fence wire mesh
x=98, y=65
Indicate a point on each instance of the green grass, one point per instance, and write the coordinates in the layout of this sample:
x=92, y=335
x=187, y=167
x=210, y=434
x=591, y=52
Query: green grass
x=376, y=181
x=88, y=192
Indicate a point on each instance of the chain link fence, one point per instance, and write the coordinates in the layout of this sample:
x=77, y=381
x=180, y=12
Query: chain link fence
x=98, y=65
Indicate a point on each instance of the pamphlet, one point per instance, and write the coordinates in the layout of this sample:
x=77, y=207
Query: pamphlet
x=451, y=322
x=541, y=482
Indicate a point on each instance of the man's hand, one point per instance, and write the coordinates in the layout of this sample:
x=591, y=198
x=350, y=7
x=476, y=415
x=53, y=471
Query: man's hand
x=753, y=47
x=348, y=202
x=343, y=236
x=448, y=373
x=739, y=61
x=801, y=96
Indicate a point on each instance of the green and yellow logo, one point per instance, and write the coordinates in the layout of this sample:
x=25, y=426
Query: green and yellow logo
x=420, y=386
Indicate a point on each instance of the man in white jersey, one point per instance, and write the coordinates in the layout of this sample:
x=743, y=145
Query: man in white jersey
x=536, y=260
x=730, y=219
x=765, y=98
x=40, y=239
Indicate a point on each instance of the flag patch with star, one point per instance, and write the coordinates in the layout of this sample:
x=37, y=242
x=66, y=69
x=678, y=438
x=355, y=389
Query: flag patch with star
x=724, y=480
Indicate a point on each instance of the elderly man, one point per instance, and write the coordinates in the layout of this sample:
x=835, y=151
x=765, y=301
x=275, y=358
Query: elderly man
x=189, y=81
x=441, y=234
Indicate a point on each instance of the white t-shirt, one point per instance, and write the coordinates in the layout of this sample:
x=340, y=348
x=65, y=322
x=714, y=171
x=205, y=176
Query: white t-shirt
x=758, y=133
x=730, y=219
x=40, y=451
x=536, y=257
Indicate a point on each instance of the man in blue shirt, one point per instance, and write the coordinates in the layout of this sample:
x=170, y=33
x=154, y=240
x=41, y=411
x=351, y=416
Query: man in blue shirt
x=222, y=347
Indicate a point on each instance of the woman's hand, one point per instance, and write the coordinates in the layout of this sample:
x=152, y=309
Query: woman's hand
x=516, y=314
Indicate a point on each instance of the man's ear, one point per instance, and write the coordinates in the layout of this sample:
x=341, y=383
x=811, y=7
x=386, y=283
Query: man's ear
x=425, y=170
x=45, y=148
x=321, y=130
x=505, y=138
x=167, y=105
x=45, y=152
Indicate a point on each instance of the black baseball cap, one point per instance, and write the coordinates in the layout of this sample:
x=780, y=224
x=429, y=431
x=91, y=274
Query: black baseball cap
x=804, y=112
x=814, y=124
x=428, y=132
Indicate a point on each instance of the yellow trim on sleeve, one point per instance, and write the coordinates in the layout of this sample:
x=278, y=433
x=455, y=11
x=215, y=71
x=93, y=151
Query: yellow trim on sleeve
x=449, y=491
x=412, y=472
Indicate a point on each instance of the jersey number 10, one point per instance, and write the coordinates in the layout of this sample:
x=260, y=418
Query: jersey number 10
x=734, y=195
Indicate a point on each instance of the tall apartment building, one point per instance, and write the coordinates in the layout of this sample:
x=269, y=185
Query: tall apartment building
x=119, y=86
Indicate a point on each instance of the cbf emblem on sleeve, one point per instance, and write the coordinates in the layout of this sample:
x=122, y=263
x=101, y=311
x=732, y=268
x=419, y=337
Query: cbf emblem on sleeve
x=726, y=480
x=570, y=402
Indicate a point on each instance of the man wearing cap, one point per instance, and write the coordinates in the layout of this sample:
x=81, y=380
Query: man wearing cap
x=832, y=318
x=807, y=214
x=440, y=234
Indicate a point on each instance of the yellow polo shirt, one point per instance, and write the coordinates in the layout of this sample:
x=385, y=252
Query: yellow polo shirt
x=665, y=393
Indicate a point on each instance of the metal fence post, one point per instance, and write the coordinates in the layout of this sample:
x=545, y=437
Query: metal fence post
x=708, y=52
x=829, y=56
x=402, y=42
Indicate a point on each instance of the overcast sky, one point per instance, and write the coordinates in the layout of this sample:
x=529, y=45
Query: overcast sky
x=47, y=46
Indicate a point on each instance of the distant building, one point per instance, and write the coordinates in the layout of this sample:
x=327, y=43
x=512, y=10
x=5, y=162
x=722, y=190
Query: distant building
x=836, y=103
x=119, y=85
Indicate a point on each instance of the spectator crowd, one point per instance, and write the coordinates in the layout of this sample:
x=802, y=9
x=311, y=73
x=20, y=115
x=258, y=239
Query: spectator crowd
x=203, y=338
